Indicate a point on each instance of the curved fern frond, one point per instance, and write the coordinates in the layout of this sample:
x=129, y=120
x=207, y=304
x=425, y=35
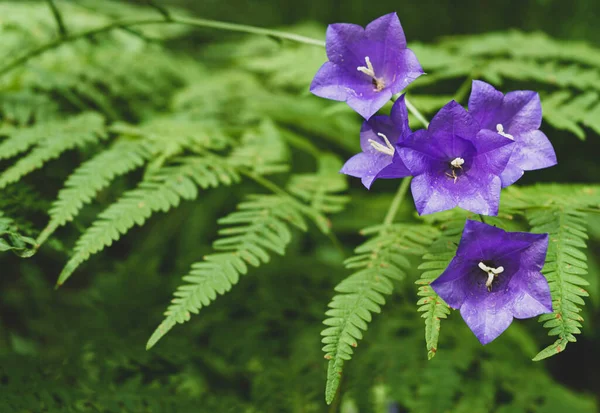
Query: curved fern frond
x=91, y=177
x=52, y=141
x=25, y=107
x=321, y=189
x=377, y=262
x=263, y=150
x=159, y=191
x=261, y=226
x=433, y=307
x=564, y=268
x=12, y=240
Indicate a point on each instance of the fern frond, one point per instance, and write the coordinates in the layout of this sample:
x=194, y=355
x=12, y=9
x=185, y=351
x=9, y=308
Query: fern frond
x=321, y=189
x=440, y=253
x=377, y=262
x=263, y=150
x=91, y=177
x=51, y=142
x=159, y=191
x=25, y=107
x=259, y=227
x=565, y=266
x=12, y=240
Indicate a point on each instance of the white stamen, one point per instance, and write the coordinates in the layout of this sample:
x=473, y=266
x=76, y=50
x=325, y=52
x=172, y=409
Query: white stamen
x=388, y=149
x=368, y=70
x=457, y=162
x=501, y=132
x=492, y=274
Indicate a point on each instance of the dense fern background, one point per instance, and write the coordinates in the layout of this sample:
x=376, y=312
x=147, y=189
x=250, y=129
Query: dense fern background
x=169, y=168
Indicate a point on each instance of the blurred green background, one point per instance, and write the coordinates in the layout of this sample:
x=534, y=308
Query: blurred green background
x=257, y=349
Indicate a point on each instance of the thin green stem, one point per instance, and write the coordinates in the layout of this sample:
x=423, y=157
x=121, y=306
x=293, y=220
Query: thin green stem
x=397, y=201
x=62, y=29
x=120, y=24
x=416, y=112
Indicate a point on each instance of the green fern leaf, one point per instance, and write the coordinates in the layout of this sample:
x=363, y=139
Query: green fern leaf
x=51, y=143
x=377, y=262
x=258, y=228
x=263, y=150
x=565, y=266
x=321, y=190
x=159, y=191
x=440, y=253
x=91, y=177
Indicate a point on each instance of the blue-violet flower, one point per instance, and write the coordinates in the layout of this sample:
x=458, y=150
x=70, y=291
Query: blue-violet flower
x=378, y=138
x=494, y=277
x=517, y=116
x=366, y=66
x=454, y=163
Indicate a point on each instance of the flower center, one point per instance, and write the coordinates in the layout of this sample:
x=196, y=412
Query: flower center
x=388, y=149
x=368, y=70
x=492, y=273
x=455, y=164
x=501, y=132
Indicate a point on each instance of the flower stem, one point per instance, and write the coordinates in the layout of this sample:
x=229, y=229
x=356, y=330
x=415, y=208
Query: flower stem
x=416, y=112
x=124, y=23
x=62, y=29
x=397, y=201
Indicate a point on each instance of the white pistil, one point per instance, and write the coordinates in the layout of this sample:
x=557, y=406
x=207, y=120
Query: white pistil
x=370, y=71
x=388, y=149
x=492, y=274
x=501, y=132
x=457, y=162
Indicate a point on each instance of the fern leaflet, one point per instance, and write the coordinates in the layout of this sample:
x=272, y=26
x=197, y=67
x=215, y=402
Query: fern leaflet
x=92, y=176
x=321, y=190
x=259, y=227
x=377, y=262
x=159, y=191
x=51, y=143
x=564, y=268
x=432, y=306
x=263, y=150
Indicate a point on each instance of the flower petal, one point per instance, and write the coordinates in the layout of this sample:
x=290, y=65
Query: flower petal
x=532, y=151
x=399, y=116
x=394, y=170
x=493, y=151
x=407, y=64
x=367, y=103
x=484, y=101
x=487, y=318
x=453, y=121
x=531, y=294
x=452, y=285
x=366, y=166
x=339, y=41
x=375, y=125
x=429, y=196
x=387, y=29
x=521, y=111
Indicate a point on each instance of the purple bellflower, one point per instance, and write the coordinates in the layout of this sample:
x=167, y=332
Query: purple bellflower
x=517, y=116
x=494, y=277
x=454, y=163
x=366, y=66
x=378, y=138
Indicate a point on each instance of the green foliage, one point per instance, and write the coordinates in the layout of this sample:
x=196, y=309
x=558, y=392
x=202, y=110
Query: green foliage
x=377, y=262
x=321, y=189
x=51, y=141
x=159, y=191
x=135, y=127
x=260, y=226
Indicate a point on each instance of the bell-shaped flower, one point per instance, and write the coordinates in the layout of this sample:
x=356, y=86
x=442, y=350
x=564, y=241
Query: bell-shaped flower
x=366, y=67
x=517, y=116
x=454, y=163
x=378, y=138
x=495, y=277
